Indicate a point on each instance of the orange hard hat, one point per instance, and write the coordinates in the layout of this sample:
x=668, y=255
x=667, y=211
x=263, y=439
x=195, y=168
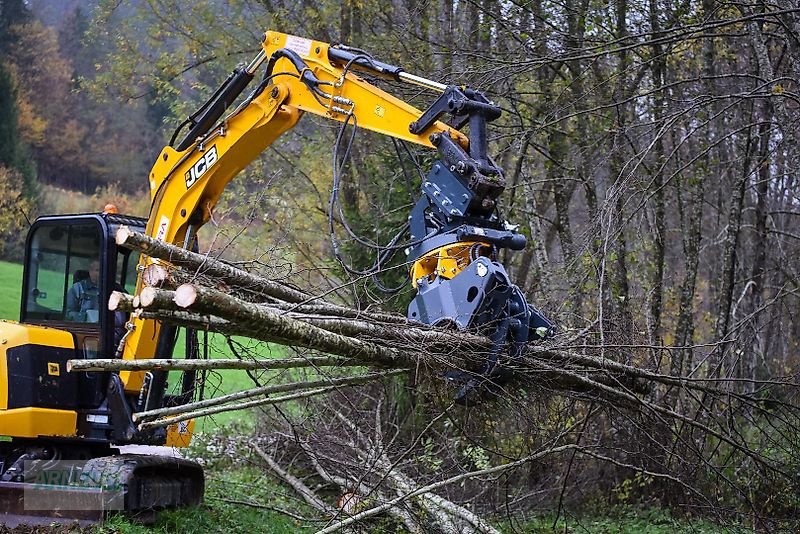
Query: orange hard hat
x=110, y=208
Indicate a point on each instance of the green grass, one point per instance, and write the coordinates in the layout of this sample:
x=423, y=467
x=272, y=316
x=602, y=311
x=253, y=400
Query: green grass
x=619, y=520
x=228, y=380
x=11, y=284
x=226, y=488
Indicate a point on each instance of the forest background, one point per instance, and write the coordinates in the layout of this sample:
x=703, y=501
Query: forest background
x=650, y=149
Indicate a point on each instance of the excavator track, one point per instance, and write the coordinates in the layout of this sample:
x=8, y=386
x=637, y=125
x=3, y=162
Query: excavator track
x=136, y=485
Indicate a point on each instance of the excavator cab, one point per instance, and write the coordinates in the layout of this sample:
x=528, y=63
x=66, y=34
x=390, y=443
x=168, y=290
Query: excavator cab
x=71, y=266
x=53, y=417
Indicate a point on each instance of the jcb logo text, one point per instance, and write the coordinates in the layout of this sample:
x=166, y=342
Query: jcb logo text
x=201, y=167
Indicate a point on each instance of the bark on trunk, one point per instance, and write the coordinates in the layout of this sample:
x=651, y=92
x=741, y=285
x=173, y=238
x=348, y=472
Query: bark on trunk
x=209, y=267
x=729, y=256
x=115, y=364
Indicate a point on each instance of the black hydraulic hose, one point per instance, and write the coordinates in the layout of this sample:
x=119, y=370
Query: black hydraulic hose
x=178, y=130
x=306, y=76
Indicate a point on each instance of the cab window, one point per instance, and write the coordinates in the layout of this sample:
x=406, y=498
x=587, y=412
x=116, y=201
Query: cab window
x=63, y=274
x=127, y=261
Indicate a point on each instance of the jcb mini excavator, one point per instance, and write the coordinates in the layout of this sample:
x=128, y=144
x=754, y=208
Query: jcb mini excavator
x=51, y=418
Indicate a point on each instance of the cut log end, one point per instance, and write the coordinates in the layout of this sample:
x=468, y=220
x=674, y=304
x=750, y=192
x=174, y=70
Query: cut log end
x=147, y=296
x=114, y=300
x=185, y=295
x=123, y=233
x=155, y=275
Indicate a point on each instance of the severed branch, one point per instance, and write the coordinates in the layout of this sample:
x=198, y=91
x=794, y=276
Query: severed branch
x=378, y=339
x=264, y=390
x=151, y=297
x=100, y=365
x=119, y=301
x=295, y=483
x=198, y=322
x=185, y=416
x=255, y=318
x=442, y=483
x=210, y=301
x=208, y=268
x=448, y=513
x=206, y=265
x=361, y=489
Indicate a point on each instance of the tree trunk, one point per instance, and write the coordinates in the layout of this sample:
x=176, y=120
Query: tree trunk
x=684, y=332
x=728, y=268
x=209, y=266
x=656, y=278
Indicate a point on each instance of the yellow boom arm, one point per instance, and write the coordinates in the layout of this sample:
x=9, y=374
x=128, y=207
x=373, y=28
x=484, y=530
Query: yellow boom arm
x=186, y=185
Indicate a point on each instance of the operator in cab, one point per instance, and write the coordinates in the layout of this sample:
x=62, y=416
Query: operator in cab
x=84, y=295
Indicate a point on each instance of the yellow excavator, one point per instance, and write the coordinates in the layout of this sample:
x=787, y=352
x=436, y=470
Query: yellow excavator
x=72, y=424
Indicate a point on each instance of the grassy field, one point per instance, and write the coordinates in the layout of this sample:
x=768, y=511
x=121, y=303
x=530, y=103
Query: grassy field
x=11, y=290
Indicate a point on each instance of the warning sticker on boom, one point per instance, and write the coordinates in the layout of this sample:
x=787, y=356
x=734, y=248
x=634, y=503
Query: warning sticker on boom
x=163, y=225
x=299, y=45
